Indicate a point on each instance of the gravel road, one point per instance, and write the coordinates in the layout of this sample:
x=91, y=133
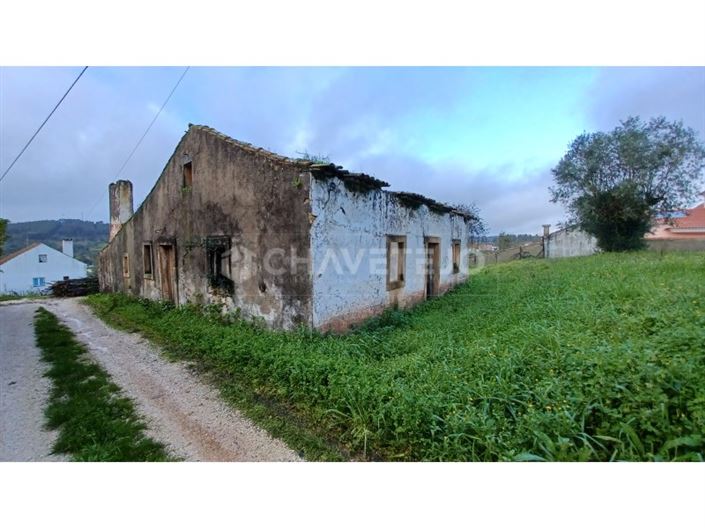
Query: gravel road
x=23, y=389
x=181, y=410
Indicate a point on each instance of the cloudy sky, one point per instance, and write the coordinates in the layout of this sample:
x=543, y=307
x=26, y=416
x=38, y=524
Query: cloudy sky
x=483, y=135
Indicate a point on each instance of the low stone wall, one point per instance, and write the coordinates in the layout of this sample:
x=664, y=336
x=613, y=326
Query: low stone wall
x=680, y=244
x=569, y=243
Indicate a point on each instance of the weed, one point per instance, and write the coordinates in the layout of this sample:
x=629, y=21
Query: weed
x=596, y=358
x=95, y=422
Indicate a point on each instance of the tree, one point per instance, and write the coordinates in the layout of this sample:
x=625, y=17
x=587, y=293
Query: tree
x=504, y=241
x=614, y=184
x=3, y=233
x=475, y=223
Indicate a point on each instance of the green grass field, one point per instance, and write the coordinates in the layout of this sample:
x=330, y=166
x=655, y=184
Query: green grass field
x=95, y=422
x=597, y=358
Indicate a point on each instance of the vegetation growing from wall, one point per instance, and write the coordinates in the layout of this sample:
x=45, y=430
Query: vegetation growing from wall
x=594, y=358
x=95, y=422
x=477, y=227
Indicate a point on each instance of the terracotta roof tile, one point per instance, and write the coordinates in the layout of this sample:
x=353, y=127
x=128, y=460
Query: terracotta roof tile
x=695, y=217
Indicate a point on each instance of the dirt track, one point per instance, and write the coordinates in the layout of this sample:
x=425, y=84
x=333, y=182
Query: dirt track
x=181, y=410
x=23, y=389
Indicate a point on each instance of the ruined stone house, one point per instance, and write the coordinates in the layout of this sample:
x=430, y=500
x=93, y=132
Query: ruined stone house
x=289, y=242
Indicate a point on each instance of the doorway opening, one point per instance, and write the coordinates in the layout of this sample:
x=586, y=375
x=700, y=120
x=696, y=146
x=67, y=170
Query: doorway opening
x=167, y=272
x=433, y=266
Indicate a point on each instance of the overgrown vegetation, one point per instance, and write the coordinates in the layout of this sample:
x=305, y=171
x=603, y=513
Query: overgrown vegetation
x=17, y=296
x=595, y=358
x=95, y=422
x=477, y=228
x=3, y=234
x=616, y=183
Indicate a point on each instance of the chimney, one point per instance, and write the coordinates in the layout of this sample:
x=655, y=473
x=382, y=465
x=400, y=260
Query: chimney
x=546, y=230
x=120, y=194
x=67, y=247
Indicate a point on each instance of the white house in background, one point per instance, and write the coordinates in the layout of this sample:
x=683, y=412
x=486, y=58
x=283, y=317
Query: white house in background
x=33, y=268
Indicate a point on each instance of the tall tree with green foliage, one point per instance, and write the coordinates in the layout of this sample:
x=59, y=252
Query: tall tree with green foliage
x=504, y=241
x=3, y=233
x=614, y=184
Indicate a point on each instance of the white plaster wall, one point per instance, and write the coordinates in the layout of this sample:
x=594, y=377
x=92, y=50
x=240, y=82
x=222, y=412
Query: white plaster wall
x=570, y=243
x=16, y=275
x=348, y=249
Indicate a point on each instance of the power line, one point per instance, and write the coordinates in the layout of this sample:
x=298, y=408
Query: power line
x=152, y=123
x=43, y=123
x=139, y=142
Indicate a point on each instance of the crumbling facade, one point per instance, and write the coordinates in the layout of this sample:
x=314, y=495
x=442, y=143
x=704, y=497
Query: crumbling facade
x=288, y=242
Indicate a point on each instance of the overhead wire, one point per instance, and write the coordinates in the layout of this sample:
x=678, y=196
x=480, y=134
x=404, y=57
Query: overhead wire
x=139, y=142
x=7, y=171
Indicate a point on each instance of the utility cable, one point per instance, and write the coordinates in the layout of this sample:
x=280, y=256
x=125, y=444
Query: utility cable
x=43, y=123
x=139, y=142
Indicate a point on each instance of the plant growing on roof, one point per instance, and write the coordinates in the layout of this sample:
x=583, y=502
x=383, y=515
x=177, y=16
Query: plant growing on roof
x=476, y=225
x=314, y=158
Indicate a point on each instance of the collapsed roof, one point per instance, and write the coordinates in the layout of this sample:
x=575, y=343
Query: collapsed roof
x=355, y=181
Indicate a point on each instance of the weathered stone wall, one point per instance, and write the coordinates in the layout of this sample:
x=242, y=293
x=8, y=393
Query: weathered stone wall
x=258, y=202
x=348, y=251
x=569, y=243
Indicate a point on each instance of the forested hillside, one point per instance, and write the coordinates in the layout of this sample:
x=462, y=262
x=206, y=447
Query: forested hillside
x=88, y=237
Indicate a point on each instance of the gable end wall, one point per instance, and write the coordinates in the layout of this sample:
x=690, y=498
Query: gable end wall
x=260, y=204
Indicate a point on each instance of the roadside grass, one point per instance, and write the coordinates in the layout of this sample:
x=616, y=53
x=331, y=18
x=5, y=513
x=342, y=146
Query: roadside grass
x=95, y=422
x=17, y=297
x=597, y=358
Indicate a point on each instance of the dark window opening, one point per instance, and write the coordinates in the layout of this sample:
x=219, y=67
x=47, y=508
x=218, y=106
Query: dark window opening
x=396, y=261
x=42, y=257
x=188, y=174
x=456, y=256
x=147, y=260
x=125, y=265
x=219, y=264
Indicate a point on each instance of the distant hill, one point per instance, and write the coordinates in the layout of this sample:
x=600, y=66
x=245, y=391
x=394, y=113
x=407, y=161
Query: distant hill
x=88, y=237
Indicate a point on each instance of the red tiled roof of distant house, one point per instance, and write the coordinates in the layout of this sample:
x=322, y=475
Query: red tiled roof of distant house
x=694, y=218
x=690, y=225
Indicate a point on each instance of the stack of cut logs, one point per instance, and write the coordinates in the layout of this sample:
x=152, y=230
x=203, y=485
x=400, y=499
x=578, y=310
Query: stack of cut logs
x=75, y=287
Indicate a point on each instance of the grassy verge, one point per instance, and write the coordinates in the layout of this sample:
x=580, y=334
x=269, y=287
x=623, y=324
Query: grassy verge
x=599, y=358
x=13, y=297
x=95, y=422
